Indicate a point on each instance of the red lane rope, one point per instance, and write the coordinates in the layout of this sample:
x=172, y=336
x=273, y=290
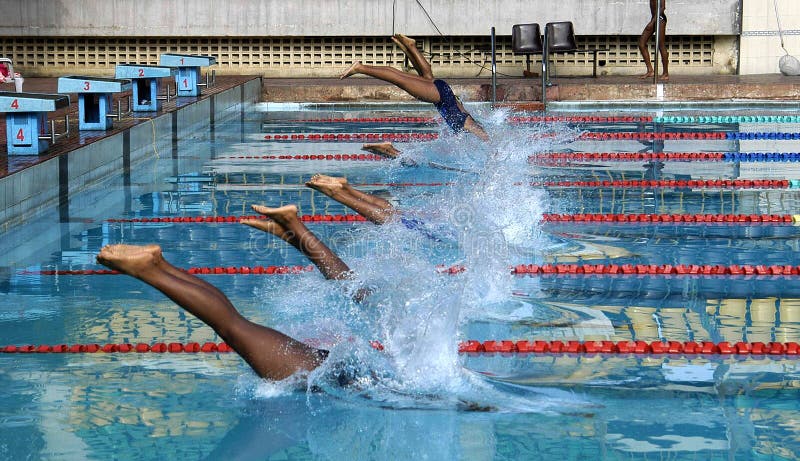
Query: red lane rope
x=520, y=269
x=336, y=157
x=366, y=120
x=649, y=269
x=328, y=218
x=628, y=156
x=396, y=137
x=579, y=119
x=680, y=183
x=468, y=347
x=743, y=219
x=229, y=270
x=654, y=136
x=670, y=218
x=631, y=347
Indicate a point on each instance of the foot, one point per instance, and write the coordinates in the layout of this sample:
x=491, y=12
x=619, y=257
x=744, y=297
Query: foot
x=404, y=41
x=353, y=69
x=663, y=78
x=130, y=259
x=649, y=74
x=385, y=149
x=328, y=185
x=280, y=220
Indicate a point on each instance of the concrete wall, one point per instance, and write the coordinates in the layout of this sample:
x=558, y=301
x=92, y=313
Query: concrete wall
x=203, y=18
x=761, y=42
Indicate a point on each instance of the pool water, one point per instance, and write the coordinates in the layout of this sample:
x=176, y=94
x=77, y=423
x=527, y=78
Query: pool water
x=481, y=207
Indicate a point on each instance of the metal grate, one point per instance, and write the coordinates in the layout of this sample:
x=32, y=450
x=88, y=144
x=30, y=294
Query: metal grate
x=326, y=56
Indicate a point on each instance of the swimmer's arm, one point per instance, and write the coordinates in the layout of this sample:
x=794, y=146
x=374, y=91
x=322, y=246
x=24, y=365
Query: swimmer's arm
x=475, y=128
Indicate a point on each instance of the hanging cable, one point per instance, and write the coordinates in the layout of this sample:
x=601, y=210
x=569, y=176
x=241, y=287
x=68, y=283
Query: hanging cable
x=788, y=64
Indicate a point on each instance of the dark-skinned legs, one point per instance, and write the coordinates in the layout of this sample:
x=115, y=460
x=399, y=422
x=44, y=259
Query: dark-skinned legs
x=285, y=224
x=270, y=353
x=373, y=208
x=647, y=33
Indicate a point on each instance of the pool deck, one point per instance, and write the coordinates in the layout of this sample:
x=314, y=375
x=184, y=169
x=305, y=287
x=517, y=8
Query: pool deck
x=521, y=93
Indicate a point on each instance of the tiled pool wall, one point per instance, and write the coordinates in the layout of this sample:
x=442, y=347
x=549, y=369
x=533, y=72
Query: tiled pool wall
x=32, y=191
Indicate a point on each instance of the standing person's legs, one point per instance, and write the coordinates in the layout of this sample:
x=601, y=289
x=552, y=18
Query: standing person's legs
x=418, y=87
x=662, y=47
x=375, y=209
x=648, y=32
x=287, y=226
x=270, y=353
x=409, y=47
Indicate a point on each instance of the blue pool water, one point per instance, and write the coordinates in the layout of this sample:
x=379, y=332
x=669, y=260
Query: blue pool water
x=478, y=210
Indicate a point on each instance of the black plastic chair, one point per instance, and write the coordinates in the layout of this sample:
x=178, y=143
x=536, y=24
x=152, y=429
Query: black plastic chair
x=560, y=38
x=526, y=39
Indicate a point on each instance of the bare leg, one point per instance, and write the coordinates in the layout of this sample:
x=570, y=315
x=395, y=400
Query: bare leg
x=287, y=226
x=418, y=87
x=375, y=209
x=409, y=47
x=648, y=32
x=270, y=353
x=662, y=47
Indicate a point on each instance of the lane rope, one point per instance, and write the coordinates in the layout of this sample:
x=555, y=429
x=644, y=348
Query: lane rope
x=564, y=157
x=790, y=349
x=667, y=270
x=352, y=137
x=743, y=219
x=337, y=157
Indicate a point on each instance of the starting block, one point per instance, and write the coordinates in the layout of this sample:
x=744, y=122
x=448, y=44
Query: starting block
x=145, y=84
x=27, y=132
x=187, y=79
x=94, y=99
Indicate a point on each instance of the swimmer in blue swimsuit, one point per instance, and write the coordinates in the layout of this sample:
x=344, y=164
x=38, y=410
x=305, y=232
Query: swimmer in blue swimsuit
x=423, y=87
x=661, y=18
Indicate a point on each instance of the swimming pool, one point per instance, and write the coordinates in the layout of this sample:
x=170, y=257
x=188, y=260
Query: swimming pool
x=542, y=196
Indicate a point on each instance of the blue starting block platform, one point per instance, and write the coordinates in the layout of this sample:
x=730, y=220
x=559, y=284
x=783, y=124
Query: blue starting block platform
x=94, y=98
x=145, y=84
x=187, y=79
x=27, y=132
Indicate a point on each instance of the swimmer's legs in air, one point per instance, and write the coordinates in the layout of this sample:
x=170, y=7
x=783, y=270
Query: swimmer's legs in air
x=270, y=353
x=409, y=47
x=285, y=224
x=418, y=87
x=372, y=207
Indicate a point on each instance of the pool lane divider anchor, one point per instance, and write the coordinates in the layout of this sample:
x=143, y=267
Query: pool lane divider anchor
x=187, y=75
x=146, y=84
x=687, y=348
x=95, y=99
x=27, y=130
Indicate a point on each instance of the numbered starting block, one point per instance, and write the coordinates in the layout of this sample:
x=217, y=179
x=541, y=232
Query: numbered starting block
x=145, y=84
x=187, y=79
x=27, y=131
x=94, y=99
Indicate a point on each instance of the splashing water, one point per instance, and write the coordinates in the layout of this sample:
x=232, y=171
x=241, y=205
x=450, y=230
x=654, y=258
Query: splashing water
x=485, y=219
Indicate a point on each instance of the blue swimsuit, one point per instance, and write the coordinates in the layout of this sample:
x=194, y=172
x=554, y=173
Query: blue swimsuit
x=448, y=107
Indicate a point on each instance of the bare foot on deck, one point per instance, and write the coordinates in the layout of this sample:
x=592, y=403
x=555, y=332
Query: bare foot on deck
x=647, y=75
x=328, y=185
x=130, y=259
x=663, y=78
x=353, y=69
x=385, y=149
